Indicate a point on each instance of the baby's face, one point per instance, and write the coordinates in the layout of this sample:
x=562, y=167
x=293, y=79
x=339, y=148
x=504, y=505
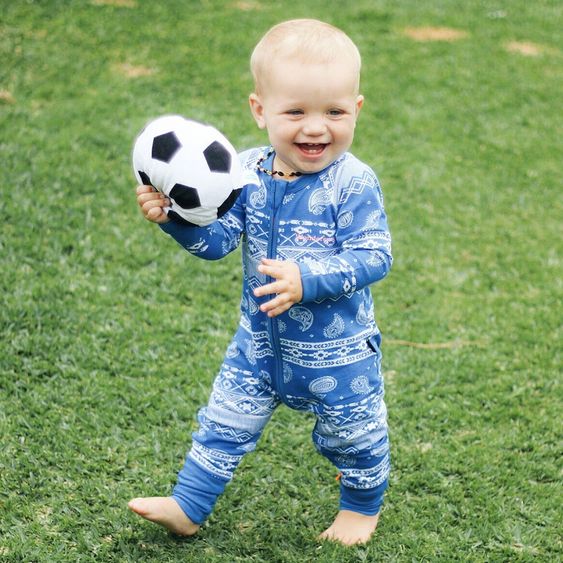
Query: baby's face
x=310, y=112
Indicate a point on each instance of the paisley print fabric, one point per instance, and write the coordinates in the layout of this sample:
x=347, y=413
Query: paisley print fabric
x=321, y=355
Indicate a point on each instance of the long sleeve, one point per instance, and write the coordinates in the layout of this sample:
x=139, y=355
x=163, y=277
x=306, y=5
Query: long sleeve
x=213, y=241
x=362, y=236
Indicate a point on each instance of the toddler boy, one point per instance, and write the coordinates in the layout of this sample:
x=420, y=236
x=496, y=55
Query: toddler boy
x=314, y=236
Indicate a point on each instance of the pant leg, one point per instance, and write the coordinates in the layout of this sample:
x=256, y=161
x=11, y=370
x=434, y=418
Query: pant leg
x=240, y=405
x=351, y=431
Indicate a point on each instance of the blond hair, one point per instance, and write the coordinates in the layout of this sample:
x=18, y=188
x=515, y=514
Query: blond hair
x=307, y=40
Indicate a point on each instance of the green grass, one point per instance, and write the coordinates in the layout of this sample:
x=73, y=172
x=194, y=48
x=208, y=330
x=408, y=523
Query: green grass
x=111, y=334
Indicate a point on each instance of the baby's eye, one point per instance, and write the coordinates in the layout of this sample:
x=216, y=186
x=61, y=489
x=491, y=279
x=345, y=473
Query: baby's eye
x=335, y=112
x=295, y=112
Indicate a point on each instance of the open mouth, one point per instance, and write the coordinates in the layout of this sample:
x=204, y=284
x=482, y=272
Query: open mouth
x=312, y=149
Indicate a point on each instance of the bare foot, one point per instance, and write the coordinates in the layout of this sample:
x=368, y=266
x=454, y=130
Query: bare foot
x=350, y=528
x=166, y=512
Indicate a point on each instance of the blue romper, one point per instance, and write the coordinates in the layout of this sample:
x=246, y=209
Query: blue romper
x=322, y=355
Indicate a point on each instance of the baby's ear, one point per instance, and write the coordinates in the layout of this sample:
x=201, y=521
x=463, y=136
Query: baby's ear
x=257, y=110
x=359, y=104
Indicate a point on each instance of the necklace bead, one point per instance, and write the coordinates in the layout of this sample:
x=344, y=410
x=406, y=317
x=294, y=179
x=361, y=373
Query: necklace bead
x=273, y=172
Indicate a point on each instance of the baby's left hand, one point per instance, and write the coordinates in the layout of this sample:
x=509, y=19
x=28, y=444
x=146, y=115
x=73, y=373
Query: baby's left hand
x=287, y=286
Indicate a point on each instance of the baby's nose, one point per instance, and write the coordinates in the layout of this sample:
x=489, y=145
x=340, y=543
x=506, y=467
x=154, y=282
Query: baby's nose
x=314, y=126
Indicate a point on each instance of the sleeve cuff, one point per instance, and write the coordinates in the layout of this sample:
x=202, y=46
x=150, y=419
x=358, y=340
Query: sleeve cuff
x=308, y=283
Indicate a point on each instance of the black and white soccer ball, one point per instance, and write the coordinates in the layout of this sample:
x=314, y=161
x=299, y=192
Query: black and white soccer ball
x=190, y=162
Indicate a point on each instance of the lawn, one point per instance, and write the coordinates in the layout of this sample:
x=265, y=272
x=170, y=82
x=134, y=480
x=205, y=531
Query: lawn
x=111, y=335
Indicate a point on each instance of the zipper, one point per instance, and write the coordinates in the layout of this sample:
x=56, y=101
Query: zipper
x=276, y=200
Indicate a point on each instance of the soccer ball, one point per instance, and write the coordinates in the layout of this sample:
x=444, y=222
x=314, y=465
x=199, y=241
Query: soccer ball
x=191, y=163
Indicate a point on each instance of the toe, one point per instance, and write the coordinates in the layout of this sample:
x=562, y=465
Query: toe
x=139, y=506
x=134, y=504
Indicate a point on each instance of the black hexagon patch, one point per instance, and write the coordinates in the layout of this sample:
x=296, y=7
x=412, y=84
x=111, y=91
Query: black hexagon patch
x=180, y=219
x=145, y=178
x=165, y=146
x=228, y=203
x=184, y=196
x=218, y=157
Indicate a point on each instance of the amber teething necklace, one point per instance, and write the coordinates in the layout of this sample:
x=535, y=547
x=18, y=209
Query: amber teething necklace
x=273, y=172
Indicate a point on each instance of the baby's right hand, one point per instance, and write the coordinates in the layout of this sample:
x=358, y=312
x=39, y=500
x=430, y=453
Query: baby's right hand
x=151, y=203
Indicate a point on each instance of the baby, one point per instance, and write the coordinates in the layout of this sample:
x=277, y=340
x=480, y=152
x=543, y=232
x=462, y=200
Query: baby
x=314, y=235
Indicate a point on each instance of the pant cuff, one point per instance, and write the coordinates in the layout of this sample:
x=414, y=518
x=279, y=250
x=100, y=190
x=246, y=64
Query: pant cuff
x=196, y=491
x=364, y=501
